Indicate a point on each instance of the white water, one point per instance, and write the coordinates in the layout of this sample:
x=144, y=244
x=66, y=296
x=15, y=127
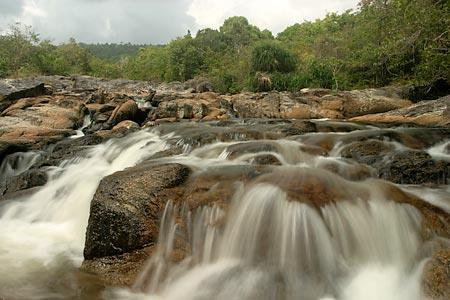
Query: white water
x=272, y=248
x=265, y=247
x=42, y=236
x=17, y=163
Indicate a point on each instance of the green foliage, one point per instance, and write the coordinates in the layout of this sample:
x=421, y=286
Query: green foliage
x=112, y=51
x=383, y=42
x=270, y=56
x=184, y=59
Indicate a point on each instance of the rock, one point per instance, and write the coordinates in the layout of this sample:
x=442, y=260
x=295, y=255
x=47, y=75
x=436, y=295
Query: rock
x=217, y=185
x=199, y=85
x=125, y=210
x=414, y=167
x=119, y=270
x=436, y=275
x=14, y=89
x=26, y=180
x=240, y=149
x=126, y=111
x=429, y=113
x=185, y=112
x=349, y=171
x=126, y=126
x=266, y=159
x=367, y=152
x=315, y=187
x=70, y=148
x=299, y=111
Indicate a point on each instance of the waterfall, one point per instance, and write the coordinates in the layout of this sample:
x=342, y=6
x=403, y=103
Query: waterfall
x=42, y=236
x=274, y=248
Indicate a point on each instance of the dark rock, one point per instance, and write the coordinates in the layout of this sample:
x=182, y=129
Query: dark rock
x=367, y=152
x=26, y=180
x=414, y=167
x=13, y=89
x=70, y=148
x=125, y=210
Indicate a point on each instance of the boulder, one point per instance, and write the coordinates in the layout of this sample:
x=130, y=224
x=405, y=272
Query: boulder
x=125, y=210
x=126, y=111
x=414, y=167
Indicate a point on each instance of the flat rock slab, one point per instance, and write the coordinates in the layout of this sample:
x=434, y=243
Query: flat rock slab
x=13, y=89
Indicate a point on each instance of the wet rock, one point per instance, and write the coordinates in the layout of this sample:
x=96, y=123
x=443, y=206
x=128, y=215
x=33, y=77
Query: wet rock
x=436, y=275
x=414, y=167
x=240, y=149
x=217, y=185
x=367, y=152
x=26, y=180
x=349, y=171
x=69, y=149
x=265, y=159
x=126, y=207
x=118, y=270
x=315, y=187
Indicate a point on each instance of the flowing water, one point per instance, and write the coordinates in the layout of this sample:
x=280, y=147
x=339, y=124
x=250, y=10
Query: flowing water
x=265, y=245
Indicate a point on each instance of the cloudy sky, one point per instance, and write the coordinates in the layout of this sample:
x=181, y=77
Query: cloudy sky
x=154, y=21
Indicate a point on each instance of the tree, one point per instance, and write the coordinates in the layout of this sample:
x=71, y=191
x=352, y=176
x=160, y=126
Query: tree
x=184, y=59
x=17, y=49
x=271, y=56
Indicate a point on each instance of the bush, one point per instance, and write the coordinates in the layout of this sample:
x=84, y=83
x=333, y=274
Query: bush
x=270, y=56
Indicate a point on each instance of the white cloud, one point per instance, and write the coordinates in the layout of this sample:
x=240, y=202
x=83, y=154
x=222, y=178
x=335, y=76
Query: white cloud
x=266, y=14
x=154, y=21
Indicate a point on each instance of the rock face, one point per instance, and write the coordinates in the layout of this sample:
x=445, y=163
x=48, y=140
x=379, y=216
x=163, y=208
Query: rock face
x=126, y=207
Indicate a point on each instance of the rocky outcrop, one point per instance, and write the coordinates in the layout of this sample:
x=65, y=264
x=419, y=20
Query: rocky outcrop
x=126, y=207
x=430, y=113
x=12, y=89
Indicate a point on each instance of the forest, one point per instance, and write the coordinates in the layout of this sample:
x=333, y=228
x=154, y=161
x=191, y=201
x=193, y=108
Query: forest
x=380, y=43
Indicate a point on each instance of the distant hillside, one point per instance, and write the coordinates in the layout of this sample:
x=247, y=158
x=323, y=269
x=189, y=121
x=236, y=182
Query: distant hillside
x=112, y=51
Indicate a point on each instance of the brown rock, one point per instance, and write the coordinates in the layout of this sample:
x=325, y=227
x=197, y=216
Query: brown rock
x=126, y=111
x=125, y=210
x=436, y=275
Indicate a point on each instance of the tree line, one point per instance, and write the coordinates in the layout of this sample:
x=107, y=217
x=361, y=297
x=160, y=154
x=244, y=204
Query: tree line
x=382, y=42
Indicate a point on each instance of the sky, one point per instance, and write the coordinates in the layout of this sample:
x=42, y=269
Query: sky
x=155, y=21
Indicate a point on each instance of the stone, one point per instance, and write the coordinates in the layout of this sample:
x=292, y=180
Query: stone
x=126, y=208
x=414, y=167
x=126, y=111
x=14, y=89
